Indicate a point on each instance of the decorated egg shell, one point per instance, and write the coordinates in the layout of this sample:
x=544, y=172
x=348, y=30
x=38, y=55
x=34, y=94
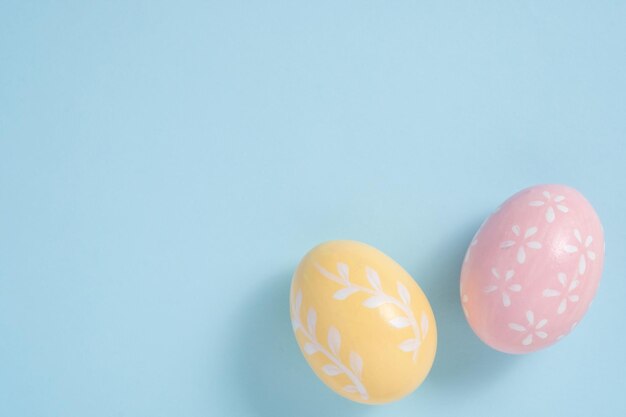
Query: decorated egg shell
x=532, y=269
x=362, y=323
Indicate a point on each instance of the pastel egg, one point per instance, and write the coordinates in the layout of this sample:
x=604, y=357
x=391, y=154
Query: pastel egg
x=362, y=323
x=532, y=269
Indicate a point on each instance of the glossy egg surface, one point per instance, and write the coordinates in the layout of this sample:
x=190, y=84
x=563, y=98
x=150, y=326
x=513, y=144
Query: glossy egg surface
x=532, y=269
x=363, y=324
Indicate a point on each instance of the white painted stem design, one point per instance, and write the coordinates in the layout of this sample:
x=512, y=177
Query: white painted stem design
x=313, y=346
x=379, y=297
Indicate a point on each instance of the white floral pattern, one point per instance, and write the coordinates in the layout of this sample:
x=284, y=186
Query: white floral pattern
x=565, y=293
x=522, y=242
x=551, y=202
x=583, y=249
x=503, y=285
x=378, y=298
x=532, y=329
x=354, y=371
x=548, y=225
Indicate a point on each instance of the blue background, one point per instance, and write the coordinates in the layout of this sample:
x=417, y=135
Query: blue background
x=164, y=166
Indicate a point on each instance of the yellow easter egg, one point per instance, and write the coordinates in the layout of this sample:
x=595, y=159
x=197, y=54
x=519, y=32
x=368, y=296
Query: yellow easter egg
x=364, y=326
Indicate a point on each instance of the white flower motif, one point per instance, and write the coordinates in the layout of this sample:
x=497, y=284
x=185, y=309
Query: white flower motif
x=532, y=329
x=504, y=286
x=552, y=202
x=522, y=242
x=335, y=367
x=379, y=298
x=565, y=293
x=584, y=250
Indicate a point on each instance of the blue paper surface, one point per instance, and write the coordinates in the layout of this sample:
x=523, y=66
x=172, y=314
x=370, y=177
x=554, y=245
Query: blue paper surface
x=164, y=166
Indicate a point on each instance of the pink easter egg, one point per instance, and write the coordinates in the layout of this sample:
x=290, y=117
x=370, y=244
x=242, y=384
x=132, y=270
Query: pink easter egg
x=532, y=269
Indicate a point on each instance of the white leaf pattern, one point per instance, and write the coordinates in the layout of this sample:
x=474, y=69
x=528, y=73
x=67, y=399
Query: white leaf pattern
x=377, y=298
x=334, y=340
x=296, y=304
x=311, y=319
x=356, y=363
x=344, y=293
x=373, y=278
x=424, y=322
x=331, y=370
x=374, y=302
x=404, y=293
x=343, y=271
x=312, y=346
x=409, y=345
x=400, y=322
